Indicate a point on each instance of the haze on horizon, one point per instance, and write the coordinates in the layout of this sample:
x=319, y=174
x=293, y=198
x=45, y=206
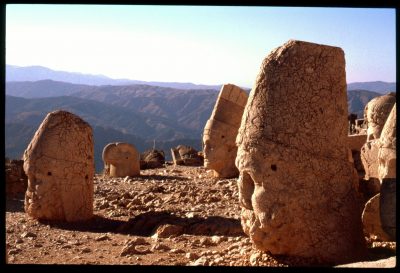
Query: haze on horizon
x=198, y=44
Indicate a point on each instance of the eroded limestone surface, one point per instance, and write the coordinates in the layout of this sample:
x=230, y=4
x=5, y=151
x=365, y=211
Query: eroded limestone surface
x=60, y=168
x=121, y=159
x=297, y=183
x=221, y=130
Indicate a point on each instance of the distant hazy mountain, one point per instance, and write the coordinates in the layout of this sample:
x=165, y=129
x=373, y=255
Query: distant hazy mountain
x=147, y=126
x=37, y=73
x=378, y=86
x=357, y=99
x=162, y=108
x=137, y=114
x=43, y=88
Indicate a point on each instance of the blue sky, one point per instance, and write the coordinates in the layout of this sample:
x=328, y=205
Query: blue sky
x=208, y=45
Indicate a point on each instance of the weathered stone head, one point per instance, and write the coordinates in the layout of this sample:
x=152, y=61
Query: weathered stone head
x=152, y=159
x=121, y=159
x=60, y=168
x=221, y=130
x=186, y=155
x=297, y=183
x=387, y=148
x=376, y=112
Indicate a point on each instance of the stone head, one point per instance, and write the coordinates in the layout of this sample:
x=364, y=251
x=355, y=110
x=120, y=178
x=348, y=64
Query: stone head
x=121, y=159
x=387, y=148
x=376, y=112
x=221, y=130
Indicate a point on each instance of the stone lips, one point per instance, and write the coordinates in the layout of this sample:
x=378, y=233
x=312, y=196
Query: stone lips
x=297, y=184
x=221, y=130
x=60, y=169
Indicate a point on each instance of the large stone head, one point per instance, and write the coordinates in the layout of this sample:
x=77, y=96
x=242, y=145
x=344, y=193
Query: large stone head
x=297, y=180
x=60, y=168
x=376, y=112
x=221, y=130
x=387, y=148
x=121, y=159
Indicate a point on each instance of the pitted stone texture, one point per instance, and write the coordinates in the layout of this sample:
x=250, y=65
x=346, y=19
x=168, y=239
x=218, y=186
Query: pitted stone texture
x=371, y=219
x=387, y=148
x=152, y=159
x=376, y=112
x=221, y=130
x=121, y=159
x=60, y=168
x=297, y=182
x=186, y=155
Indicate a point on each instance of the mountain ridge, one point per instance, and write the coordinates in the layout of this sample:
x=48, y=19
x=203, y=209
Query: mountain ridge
x=36, y=73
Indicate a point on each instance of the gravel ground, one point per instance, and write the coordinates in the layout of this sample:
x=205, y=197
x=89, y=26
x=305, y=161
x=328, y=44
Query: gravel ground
x=167, y=216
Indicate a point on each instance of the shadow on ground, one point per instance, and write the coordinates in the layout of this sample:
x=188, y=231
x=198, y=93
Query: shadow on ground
x=147, y=223
x=15, y=204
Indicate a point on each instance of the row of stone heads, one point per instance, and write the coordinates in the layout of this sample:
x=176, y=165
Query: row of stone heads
x=297, y=183
x=122, y=159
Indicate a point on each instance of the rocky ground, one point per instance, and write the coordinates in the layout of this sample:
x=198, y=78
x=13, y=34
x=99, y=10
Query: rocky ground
x=167, y=216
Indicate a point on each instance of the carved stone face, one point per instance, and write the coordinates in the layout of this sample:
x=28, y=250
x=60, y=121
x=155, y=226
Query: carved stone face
x=221, y=130
x=121, y=159
x=60, y=168
x=387, y=151
x=297, y=183
x=376, y=112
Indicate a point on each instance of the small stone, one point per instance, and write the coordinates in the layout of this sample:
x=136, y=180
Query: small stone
x=66, y=247
x=205, y=241
x=191, y=255
x=161, y=247
x=176, y=251
x=13, y=251
x=86, y=250
x=254, y=258
x=200, y=262
x=28, y=234
x=102, y=238
x=217, y=239
x=19, y=241
x=166, y=231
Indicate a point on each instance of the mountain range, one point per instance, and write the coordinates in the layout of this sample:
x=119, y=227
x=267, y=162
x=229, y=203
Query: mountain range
x=37, y=73
x=143, y=115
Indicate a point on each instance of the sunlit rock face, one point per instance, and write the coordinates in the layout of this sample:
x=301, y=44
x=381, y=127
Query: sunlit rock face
x=60, y=168
x=221, y=130
x=297, y=183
